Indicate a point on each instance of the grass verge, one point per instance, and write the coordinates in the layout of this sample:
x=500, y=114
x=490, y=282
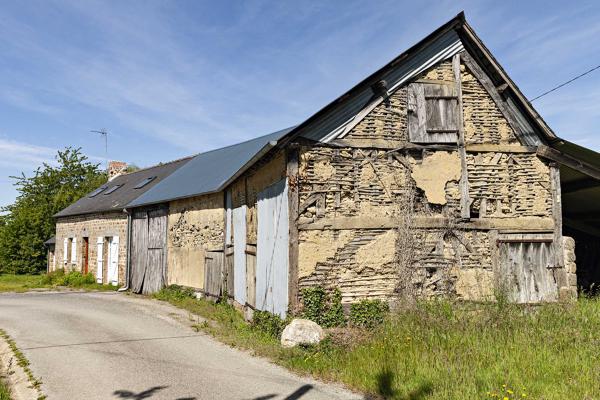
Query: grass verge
x=4, y=390
x=439, y=350
x=22, y=362
x=56, y=279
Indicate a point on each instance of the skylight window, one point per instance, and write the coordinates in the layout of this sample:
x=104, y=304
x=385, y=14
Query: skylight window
x=144, y=182
x=112, y=189
x=97, y=191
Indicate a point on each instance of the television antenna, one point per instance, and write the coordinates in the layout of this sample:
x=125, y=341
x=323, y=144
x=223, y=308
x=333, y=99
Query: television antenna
x=104, y=133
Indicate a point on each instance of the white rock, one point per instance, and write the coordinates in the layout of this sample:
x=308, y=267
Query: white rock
x=301, y=331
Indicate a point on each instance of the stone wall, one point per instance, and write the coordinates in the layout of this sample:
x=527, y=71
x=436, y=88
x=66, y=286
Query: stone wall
x=378, y=217
x=569, y=291
x=195, y=225
x=92, y=226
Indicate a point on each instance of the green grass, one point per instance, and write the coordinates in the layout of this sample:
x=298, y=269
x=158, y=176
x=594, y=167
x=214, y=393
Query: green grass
x=4, y=391
x=55, y=280
x=440, y=350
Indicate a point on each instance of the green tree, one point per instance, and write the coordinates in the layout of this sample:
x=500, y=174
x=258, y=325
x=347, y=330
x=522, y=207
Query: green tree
x=29, y=221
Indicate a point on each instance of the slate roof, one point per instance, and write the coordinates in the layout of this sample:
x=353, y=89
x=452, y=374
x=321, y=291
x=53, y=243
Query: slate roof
x=117, y=200
x=51, y=241
x=209, y=172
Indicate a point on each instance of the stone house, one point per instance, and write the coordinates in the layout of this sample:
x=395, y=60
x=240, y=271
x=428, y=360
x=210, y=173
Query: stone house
x=434, y=176
x=91, y=234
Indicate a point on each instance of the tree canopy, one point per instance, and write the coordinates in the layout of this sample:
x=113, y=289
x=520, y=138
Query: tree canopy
x=27, y=223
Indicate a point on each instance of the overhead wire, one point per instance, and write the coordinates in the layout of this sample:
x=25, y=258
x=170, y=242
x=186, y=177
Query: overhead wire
x=565, y=83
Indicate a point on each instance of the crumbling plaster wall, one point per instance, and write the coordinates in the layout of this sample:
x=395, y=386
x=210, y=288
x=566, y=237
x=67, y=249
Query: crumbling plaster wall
x=195, y=225
x=363, y=202
x=92, y=226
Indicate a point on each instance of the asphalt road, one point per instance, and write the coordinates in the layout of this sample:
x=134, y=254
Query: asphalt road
x=114, y=346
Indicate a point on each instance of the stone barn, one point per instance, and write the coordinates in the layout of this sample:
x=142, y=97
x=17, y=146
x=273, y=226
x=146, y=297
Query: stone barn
x=91, y=234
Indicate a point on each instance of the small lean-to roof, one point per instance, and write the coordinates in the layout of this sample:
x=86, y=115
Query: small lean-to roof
x=51, y=241
x=116, y=200
x=209, y=172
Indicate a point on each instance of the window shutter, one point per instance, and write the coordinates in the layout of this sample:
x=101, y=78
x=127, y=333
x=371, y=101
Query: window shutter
x=74, y=251
x=99, y=257
x=65, y=250
x=432, y=113
x=114, y=260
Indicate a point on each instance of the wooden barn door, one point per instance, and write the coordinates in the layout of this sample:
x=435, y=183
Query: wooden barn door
x=526, y=271
x=148, y=250
x=273, y=249
x=213, y=274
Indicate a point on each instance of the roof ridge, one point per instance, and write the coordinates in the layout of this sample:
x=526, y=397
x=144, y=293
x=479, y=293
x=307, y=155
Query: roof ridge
x=160, y=164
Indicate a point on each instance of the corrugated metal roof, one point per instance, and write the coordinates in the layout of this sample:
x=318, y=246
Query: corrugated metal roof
x=207, y=172
x=117, y=200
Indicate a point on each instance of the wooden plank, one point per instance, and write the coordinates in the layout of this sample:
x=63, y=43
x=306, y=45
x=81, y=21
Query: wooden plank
x=499, y=148
x=251, y=274
x=293, y=200
x=465, y=201
x=417, y=113
x=555, y=155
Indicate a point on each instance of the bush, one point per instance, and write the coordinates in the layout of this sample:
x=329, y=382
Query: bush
x=175, y=293
x=323, y=308
x=368, y=313
x=72, y=278
x=268, y=323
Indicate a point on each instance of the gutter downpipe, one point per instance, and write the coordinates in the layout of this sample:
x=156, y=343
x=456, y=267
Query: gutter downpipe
x=127, y=261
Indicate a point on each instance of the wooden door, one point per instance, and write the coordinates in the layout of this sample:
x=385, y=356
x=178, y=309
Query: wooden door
x=85, y=255
x=526, y=271
x=213, y=273
x=272, y=252
x=149, y=250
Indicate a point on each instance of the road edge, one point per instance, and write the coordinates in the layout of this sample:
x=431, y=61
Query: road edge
x=14, y=368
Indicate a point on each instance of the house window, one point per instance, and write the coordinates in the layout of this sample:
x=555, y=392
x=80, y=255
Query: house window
x=432, y=113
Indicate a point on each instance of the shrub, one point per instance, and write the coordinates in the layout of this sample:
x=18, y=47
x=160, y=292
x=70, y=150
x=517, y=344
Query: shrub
x=175, y=293
x=368, y=313
x=323, y=308
x=268, y=323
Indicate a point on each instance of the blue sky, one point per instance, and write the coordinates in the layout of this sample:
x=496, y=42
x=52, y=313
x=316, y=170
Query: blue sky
x=169, y=79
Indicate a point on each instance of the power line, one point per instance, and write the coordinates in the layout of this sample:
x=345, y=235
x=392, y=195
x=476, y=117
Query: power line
x=564, y=84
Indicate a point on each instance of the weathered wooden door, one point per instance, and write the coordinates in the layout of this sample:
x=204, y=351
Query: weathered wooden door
x=113, y=261
x=148, y=250
x=239, y=254
x=99, y=258
x=526, y=271
x=229, y=270
x=85, y=255
x=273, y=249
x=213, y=274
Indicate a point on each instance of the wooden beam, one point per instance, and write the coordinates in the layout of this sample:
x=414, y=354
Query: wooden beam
x=293, y=199
x=578, y=185
x=499, y=148
x=423, y=222
x=489, y=86
x=571, y=162
x=465, y=201
x=559, y=275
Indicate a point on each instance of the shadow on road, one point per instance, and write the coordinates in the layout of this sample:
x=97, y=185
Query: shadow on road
x=127, y=394
x=301, y=391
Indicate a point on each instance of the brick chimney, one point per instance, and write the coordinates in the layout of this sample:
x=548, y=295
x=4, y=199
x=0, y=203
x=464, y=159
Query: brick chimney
x=115, y=168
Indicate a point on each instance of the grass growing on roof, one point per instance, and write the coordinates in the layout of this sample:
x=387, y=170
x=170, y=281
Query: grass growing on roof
x=440, y=350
